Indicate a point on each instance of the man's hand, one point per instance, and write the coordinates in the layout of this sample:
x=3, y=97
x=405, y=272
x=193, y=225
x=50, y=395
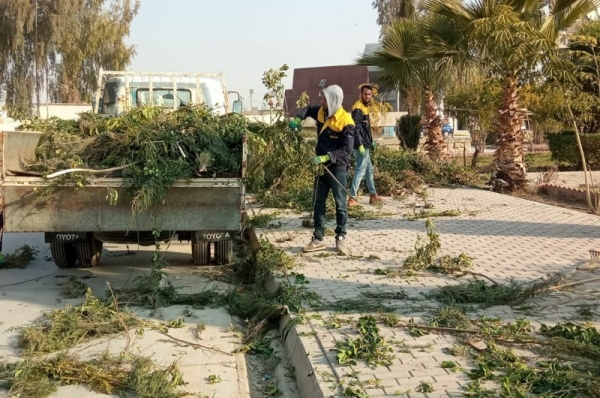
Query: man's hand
x=295, y=124
x=321, y=159
x=361, y=150
x=373, y=145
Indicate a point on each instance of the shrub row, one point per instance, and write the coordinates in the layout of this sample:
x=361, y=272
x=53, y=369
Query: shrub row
x=563, y=147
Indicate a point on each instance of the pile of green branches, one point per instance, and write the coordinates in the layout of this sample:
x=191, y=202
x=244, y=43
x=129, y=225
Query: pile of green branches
x=105, y=375
x=281, y=174
x=490, y=294
x=150, y=148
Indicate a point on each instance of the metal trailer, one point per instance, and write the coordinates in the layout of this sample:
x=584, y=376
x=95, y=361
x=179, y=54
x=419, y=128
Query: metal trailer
x=77, y=221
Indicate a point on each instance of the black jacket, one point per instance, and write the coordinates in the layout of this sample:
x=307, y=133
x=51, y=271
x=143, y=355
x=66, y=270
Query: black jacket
x=335, y=136
x=361, y=114
x=315, y=112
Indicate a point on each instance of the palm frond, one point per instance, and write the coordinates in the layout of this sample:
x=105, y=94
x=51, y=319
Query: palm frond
x=565, y=14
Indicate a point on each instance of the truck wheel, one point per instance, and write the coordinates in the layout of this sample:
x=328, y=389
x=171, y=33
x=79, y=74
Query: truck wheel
x=200, y=252
x=89, y=252
x=224, y=252
x=64, y=255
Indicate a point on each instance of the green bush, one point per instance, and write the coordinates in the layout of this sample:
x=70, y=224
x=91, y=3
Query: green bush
x=409, y=131
x=396, y=163
x=563, y=147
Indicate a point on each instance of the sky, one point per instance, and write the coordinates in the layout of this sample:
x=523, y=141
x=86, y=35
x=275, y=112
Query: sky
x=244, y=38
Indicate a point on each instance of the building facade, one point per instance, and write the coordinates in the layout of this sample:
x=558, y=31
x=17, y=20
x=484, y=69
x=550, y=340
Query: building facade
x=348, y=77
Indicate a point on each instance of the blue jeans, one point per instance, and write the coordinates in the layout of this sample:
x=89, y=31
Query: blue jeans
x=323, y=184
x=363, y=167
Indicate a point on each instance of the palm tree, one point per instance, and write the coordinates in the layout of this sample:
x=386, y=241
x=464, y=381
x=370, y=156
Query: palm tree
x=400, y=68
x=511, y=38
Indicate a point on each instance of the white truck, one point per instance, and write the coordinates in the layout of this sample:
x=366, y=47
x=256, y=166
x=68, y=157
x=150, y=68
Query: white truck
x=120, y=91
x=205, y=211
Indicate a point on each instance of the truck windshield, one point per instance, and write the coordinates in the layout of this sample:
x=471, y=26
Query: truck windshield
x=163, y=97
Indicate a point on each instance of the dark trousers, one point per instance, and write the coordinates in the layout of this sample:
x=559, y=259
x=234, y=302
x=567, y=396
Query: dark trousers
x=323, y=184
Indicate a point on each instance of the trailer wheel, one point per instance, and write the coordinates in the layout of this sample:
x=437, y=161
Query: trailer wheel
x=200, y=251
x=64, y=255
x=224, y=252
x=89, y=252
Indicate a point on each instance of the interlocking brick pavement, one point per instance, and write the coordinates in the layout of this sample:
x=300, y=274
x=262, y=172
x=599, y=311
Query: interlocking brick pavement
x=507, y=237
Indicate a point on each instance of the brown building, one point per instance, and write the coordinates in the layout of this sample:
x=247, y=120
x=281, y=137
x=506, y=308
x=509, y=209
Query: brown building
x=348, y=77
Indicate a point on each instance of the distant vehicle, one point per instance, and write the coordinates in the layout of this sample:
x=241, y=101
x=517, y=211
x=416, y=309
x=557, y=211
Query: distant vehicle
x=447, y=129
x=120, y=91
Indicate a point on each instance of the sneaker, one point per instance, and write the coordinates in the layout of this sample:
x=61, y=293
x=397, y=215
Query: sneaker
x=314, y=246
x=352, y=202
x=340, y=245
x=375, y=199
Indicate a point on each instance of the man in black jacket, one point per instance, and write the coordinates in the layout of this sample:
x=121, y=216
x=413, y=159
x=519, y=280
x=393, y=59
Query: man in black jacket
x=363, y=144
x=335, y=136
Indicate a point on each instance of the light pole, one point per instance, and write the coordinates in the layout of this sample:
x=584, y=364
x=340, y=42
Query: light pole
x=35, y=58
x=251, y=93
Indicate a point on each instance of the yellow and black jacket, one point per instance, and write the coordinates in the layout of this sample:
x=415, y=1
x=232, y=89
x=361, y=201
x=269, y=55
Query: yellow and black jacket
x=315, y=112
x=335, y=136
x=361, y=114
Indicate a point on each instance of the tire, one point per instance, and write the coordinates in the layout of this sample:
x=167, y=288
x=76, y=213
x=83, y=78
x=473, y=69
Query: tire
x=200, y=252
x=64, y=255
x=224, y=252
x=89, y=253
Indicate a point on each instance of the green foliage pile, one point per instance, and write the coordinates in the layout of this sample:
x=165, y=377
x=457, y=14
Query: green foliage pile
x=154, y=148
x=369, y=346
x=104, y=375
x=480, y=292
x=404, y=165
x=425, y=256
x=564, y=148
x=409, y=131
x=19, y=258
x=282, y=176
x=63, y=329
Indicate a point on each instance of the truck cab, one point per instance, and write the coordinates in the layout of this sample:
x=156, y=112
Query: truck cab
x=120, y=91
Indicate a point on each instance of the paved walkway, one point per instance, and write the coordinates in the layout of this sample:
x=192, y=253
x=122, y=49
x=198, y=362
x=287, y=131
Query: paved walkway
x=26, y=293
x=508, y=238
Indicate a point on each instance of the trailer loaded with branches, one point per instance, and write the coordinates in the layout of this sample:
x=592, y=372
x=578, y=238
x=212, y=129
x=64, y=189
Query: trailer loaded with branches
x=143, y=177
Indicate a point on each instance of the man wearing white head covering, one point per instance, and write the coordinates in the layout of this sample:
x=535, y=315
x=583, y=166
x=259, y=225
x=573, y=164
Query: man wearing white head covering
x=335, y=142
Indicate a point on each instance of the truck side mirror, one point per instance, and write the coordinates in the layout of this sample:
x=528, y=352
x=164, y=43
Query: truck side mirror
x=236, y=107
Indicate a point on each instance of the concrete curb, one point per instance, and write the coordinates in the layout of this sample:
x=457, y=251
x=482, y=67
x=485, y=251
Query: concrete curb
x=567, y=193
x=242, y=373
x=299, y=356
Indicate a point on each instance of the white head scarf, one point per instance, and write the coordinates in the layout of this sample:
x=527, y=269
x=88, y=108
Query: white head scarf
x=334, y=95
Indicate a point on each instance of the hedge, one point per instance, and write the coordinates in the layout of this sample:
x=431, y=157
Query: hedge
x=564, y=149
x=409, y=130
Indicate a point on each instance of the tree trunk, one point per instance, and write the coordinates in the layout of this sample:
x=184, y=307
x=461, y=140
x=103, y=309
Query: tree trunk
x=474, y=159
x=509, y=165
x=435, y=147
